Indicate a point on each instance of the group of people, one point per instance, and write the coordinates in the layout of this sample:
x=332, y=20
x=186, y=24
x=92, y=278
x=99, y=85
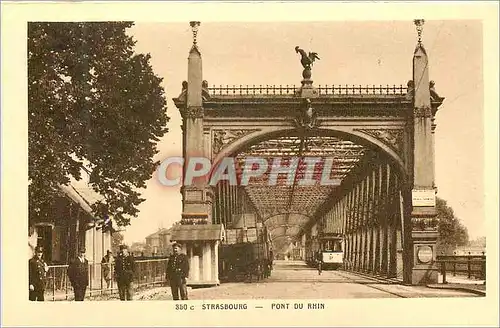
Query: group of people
x=78, y=273
x=124, y=267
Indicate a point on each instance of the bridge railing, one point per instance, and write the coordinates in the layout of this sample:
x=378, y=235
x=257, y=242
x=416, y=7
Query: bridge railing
x=253, y=90
x=147, y=273
x=471, y=266
x=360, y=90
x=325, y=90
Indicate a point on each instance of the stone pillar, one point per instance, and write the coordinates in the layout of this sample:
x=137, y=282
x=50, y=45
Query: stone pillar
x=194, y=269
x=215, y=256
x=196, y=196
x=423, y=225
x=207, y=261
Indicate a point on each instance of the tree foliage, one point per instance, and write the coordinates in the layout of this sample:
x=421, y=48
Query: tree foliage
x=96, y=105
x=452, y=232
x=116, y=241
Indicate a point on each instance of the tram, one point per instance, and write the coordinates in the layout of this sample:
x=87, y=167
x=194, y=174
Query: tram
x=332, y=251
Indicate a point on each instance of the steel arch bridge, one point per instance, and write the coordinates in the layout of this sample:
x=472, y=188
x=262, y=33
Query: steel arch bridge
x=377, y=140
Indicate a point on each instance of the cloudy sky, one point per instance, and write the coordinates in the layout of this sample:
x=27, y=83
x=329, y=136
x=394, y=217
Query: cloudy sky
x=351, y=53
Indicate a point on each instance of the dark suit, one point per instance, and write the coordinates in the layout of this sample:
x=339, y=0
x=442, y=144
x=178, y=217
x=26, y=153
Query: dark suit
x=177, y=272
x=124, y=273
x=37, y=278
x=78, y=273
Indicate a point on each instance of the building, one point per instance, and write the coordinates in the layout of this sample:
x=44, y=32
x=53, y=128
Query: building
x=71, y=227
x=159, y=243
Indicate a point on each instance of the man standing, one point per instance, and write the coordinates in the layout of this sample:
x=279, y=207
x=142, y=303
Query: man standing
x=320, y=262
x=106, y=263
x=37, y=273
x=177, y=272
x=124, y=273
x=78, y=273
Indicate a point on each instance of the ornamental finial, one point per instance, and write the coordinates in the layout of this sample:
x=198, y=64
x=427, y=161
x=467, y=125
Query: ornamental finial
x=419, y=23
x=194, y=27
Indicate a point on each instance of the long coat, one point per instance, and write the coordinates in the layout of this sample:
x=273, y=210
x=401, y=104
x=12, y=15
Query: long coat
x=177, y=267
x=78, y=273
x=124, y=269
x=37, y=273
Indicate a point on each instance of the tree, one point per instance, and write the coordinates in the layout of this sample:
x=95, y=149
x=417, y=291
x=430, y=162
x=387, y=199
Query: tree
x=139, y=247
x=94, y=105
x=479, y=241
x=116, y=241
x=452, y=232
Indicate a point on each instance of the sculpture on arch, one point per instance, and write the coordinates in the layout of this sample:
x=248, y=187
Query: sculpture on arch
x=307, y=118
x=306, y=59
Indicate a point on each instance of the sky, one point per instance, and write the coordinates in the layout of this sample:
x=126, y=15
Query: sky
x=351, y=53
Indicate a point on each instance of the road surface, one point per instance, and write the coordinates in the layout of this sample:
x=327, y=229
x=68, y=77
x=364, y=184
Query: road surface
x=293, y=280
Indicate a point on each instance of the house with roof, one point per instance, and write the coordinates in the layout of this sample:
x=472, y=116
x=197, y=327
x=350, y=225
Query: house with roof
x=71, y=226
x=159, y=243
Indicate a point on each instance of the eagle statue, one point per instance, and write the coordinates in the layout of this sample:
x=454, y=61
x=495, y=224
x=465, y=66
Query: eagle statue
x=306, y=60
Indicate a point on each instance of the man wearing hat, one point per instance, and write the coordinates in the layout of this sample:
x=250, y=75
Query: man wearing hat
x=37, y=273
x=78, y=273
x=124, y=273
x=177, y=272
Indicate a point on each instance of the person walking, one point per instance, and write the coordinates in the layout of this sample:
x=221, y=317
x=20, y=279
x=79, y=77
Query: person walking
x=177, y=272
x=106, y=263
x=124, y=273
x=320, y=262
x=78, y=273
x=37, y=274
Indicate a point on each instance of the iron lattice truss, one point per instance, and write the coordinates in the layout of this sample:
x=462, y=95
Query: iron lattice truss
x=288, y=198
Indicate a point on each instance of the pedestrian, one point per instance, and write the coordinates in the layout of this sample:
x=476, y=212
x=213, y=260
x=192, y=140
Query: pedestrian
x=320, y=263
x=177, y=272
x=124, y=273
x=106, y=264
x=37, y=274
x=78, y=273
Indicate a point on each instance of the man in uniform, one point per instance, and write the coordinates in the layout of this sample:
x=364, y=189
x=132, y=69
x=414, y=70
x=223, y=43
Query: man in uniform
x=177, y=272
x=78, y=273
x=37, y=273
x=124, y=273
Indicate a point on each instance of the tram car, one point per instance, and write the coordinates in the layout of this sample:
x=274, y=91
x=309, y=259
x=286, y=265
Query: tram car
x=328, y=248
x=332, y=251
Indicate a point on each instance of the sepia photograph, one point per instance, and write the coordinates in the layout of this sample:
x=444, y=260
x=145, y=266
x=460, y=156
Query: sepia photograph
x=243, y=165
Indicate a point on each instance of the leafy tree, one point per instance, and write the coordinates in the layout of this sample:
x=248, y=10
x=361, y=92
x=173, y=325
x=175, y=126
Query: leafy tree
x=452, y=232
x=139, y=247
x=116, y=241
x=479, y=241
x=94, y=105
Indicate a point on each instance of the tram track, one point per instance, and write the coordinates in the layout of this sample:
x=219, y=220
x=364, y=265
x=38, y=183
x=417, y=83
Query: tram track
x=370, y=285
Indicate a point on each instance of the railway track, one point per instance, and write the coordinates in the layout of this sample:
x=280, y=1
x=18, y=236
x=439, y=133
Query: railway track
x=369, y=284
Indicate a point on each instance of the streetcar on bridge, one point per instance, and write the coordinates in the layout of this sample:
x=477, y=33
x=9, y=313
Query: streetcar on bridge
x=329, y=248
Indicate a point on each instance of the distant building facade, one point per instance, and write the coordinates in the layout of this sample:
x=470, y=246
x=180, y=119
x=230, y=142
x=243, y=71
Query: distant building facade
x=159, y=243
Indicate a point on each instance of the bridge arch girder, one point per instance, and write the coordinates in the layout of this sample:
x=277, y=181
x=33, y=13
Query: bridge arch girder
x=357, y=133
